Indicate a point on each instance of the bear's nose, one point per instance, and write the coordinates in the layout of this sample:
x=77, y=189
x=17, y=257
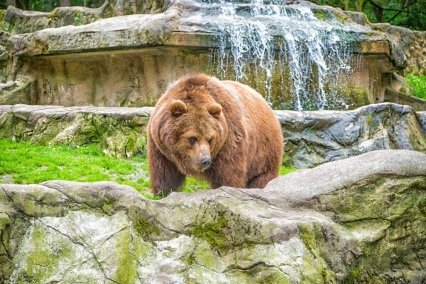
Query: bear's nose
x=206, y=162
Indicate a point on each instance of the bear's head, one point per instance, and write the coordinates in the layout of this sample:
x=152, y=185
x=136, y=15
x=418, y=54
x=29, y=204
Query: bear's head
x=194, y=127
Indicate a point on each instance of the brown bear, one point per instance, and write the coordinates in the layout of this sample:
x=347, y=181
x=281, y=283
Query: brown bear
x=221, y=131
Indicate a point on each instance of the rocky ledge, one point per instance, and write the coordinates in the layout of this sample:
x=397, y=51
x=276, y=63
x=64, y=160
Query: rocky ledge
x=358, y=220
x=310, y=138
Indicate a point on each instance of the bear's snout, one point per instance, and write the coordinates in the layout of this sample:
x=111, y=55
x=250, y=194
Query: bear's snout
x=206, y=161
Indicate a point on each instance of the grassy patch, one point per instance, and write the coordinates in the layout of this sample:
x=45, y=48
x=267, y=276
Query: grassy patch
x=25, y=163
x=418, y=85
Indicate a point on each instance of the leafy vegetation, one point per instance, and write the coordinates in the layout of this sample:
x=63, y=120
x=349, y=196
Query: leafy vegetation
x=26, y=163
x=406, y=13
x=49, y=5
x=417, y=84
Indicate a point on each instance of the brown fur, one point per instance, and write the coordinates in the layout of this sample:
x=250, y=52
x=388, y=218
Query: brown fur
x=200, y=117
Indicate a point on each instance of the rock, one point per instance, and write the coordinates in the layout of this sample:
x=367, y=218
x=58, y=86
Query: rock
x=310, y=138
x=21, y=21
x=17, y=91
x=123, y=32
x=119, y=131
x=118, y=8
x=408, y=47
x=416, y=103
x=313, y=138
x=357, y=220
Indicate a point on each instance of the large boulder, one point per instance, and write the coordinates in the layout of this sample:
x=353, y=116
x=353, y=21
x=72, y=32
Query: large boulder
x=310, y=138
x=359, y=220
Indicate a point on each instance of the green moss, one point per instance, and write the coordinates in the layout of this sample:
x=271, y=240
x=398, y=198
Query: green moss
x=353, y=275
x=260, y=274
x=78, y=19
x=214, y=232
x=53, y=15
x=126, y=263
x=321, y=15
x=369, y=118
x=341, y=17
x=146, y=228
x=108, y=206
x=3, y=25
x=315, y=267
x=43, y=260
x=308, y=237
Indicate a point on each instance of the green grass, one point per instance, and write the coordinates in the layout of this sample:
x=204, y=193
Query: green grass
x=25, y=163
x=418, y=85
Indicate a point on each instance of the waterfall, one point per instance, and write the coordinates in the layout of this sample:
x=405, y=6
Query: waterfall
x=294, y=53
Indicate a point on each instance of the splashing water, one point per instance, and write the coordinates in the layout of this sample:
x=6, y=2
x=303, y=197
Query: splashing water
x=292, y=53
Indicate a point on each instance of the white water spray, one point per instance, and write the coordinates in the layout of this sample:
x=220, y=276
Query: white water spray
x=266, y=37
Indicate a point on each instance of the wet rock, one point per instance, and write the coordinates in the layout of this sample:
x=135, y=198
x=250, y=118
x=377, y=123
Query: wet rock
x=355, y=220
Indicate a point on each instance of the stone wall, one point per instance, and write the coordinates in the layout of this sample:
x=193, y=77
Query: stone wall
x=310, y=138
x=126, y=78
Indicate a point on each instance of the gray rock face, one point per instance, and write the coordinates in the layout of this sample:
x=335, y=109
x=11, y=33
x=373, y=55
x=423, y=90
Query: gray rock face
x=408, y=47
x=21, y=21
x=356, y=220
x=313, y=138
x=310, y=138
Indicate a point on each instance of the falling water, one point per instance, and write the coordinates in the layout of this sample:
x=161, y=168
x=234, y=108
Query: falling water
x=286, y=47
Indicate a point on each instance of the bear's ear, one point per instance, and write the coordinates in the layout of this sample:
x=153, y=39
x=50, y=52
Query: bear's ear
x=215, y=109
x=177, y=108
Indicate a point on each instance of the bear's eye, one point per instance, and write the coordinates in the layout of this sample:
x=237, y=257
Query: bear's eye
x=192, y=140
x=210, y=141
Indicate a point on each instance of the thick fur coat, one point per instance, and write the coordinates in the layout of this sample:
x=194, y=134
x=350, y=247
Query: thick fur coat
x=221, y=131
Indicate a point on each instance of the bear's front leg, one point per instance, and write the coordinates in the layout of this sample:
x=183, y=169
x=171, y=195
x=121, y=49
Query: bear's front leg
x=225, y=172
x=164, y=175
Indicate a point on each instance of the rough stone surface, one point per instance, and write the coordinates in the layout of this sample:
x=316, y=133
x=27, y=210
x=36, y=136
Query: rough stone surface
x=359, y=220
x=20, y=21
x=117, y=61
x=416, y=103
x=313, y=138
x=310, y=138
x=408, y=47
x=119, y=131
x=170, y=27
